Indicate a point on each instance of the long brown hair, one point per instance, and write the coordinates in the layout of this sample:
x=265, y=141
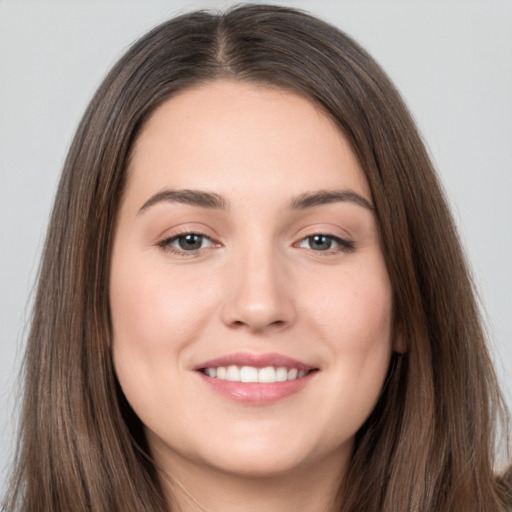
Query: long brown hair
x=429, y=444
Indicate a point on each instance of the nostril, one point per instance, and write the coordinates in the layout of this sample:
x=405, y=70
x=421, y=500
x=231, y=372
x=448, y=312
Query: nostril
x=276, y=324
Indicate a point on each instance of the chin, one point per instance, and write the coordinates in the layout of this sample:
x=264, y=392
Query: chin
x=262, y=456
x=261, y=464
x=271, y=456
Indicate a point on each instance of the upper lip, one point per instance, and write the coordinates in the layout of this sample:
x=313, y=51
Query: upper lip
x=254, y=360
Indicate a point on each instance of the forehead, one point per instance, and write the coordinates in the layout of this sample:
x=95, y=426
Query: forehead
x=230, y=135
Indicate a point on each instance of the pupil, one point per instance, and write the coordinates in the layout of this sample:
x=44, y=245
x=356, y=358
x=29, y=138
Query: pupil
x=321, y=242
x=190, y=242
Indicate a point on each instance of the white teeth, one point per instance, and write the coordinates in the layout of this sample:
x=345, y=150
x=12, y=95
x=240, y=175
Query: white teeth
x=267, y=374
x=252, y=374
x=292, y=374
x=233, y=373
x=281, y=374
x=211, y=372
x=248, y=374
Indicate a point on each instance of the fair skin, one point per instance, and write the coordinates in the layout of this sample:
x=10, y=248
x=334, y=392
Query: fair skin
x=272, y=261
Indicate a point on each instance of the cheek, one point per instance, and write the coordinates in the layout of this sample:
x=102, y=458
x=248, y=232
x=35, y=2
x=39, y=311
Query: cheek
x=361, y=332
x=154, y=309
x=353, y=309
x=353, y=317
x=156, y=314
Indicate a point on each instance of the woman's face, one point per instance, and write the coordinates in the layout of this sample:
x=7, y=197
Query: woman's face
x=251, y=306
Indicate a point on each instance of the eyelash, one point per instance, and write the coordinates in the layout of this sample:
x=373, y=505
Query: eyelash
x=166, y=243
x=343, y=245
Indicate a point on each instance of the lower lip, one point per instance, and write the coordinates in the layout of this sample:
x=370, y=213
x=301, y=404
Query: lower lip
x=256, y=393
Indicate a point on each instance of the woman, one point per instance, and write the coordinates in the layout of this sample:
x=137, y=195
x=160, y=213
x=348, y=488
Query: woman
x=252, y=294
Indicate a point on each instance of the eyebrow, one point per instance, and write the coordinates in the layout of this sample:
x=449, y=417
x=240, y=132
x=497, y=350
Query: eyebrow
x=211, y=200
x=199, y=198
x=321, y=197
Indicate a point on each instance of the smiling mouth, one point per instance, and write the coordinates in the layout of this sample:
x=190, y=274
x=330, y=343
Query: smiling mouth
x=251, y=374
x=256, y=379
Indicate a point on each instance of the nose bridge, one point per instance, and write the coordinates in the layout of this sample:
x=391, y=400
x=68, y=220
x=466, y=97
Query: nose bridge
x=259, y=296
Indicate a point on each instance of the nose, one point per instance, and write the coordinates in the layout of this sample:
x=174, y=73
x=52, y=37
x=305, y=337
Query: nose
x=260, y=294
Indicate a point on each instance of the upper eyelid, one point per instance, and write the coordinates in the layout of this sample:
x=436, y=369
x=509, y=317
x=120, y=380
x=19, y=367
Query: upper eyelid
x=331, y=230
x=215, y=237
x=328, y=235
x=185, y=230
x=344, y=243
x=166, y=244
x=185, y=233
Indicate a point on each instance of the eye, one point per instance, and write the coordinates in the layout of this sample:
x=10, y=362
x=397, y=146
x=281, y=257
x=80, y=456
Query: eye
x=186, y=242
x=326, y=243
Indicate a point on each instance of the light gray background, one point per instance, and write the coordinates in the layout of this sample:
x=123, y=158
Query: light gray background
x=452, y=61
